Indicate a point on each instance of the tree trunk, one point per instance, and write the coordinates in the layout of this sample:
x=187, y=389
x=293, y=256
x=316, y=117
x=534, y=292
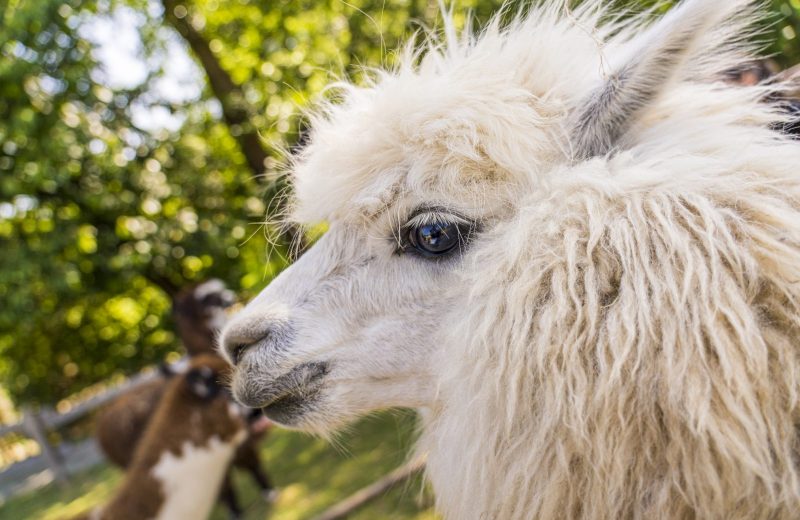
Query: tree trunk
x=237, y=113
x=235, y=109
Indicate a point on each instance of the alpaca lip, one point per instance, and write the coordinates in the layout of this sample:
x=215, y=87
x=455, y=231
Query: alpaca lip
x=288, y=408
x=296, y=401
x=298, y=385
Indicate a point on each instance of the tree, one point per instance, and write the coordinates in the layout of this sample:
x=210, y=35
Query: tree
x=102, y=220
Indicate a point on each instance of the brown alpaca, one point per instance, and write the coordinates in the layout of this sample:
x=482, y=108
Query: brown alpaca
x=184, y=454
x=198, y=311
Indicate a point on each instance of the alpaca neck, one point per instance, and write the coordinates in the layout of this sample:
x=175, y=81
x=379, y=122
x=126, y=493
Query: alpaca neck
x=198, y=336
x=475, y=469
x=191, y=481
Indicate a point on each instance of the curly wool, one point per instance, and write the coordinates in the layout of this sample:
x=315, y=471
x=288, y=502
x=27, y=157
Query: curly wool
x=627, y=343
x=638, y=359
x=618, y=336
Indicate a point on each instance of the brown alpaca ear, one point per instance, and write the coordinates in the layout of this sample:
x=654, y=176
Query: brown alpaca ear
x=169, y=370
x=604, y=116
x=202, y=382
x=213, y=293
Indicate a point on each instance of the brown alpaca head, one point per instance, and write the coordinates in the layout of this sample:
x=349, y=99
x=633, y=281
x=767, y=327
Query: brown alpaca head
x=199, y=312
x=196, y=406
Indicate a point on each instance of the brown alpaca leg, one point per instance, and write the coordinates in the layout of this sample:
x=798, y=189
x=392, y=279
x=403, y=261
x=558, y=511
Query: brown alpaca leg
x=227, y=495
x=247, y=458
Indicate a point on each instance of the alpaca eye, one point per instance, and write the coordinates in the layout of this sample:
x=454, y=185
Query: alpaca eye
x=434, y=239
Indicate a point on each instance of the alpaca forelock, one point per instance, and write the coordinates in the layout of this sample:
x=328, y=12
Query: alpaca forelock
x=612, y=330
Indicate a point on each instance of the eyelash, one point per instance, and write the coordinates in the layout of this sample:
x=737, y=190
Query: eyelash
x=431, y=217
x=466, y=228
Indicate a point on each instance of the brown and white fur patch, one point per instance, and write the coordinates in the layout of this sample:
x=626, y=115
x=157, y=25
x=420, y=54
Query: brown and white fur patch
x=186, y=450
x=173, y=472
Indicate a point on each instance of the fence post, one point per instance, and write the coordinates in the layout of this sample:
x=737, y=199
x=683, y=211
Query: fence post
x=37, y=430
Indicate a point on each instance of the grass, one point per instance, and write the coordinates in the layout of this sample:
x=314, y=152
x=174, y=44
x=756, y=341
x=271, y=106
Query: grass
x=311, y=473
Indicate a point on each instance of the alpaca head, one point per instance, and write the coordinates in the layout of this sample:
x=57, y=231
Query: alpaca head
x=201, y=396
x=425, y=166
x=200, y=311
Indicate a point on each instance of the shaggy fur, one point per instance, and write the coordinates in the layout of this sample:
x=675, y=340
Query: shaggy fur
x=617, y=337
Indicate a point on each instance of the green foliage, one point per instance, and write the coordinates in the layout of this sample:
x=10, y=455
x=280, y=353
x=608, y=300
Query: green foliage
x=98, y=215
x=783, y=32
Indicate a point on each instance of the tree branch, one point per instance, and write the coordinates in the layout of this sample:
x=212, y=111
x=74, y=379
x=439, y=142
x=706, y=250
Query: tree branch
x=237, y=113
x=235, y=109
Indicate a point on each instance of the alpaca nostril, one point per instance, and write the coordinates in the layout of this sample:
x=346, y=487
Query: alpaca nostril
x=253, y=332
x=237, y=351
x=237, y=346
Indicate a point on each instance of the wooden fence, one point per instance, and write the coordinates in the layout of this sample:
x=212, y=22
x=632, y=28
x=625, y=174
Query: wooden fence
x=38, y=423
x=360, y=498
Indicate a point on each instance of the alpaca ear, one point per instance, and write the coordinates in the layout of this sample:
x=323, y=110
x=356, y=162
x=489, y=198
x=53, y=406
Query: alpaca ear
x=169, y=370
x=655, y=59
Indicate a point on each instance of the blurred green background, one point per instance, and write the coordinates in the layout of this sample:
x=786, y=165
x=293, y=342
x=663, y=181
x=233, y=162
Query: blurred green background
x=141, y=145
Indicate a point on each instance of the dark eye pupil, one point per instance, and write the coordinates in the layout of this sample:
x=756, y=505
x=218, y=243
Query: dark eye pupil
x=436, y=238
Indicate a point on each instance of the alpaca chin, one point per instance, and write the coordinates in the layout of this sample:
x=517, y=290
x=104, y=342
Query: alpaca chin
x=290, y=410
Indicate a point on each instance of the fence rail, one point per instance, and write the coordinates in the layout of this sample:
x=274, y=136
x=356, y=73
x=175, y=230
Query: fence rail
x=364, y=495
x=37, y=423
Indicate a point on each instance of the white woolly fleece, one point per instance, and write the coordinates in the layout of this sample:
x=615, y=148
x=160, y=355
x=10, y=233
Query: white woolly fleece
x=619, y=339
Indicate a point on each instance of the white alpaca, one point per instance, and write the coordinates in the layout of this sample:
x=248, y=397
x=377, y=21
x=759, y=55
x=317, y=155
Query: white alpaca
x=575, y=248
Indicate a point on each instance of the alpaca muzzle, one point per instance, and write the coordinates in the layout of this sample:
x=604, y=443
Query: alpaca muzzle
x=282, y=395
